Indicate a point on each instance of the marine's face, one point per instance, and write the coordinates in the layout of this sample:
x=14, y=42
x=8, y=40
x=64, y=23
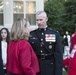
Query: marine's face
x=41, y=21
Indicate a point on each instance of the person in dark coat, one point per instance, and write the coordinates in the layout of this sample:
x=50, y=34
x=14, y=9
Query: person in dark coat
x=47, y=46
x=1, y=66
x=4, y=40
x=67, y=41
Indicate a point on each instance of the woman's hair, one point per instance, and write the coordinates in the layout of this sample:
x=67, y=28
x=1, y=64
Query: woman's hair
x=8, y=35
x=18, y=30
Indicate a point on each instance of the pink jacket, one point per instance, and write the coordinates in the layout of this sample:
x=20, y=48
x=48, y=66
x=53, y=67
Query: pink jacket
x=21, y=58
x=72, y=60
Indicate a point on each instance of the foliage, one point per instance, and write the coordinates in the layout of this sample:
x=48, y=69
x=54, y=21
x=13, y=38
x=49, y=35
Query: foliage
x=61, y=15
x=70, y=15
x=54, y=10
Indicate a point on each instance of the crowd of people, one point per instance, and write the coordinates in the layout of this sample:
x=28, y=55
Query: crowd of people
x=38, y=52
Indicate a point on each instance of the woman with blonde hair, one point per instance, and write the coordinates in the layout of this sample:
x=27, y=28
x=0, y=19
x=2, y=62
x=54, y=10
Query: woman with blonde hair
x=21, y=59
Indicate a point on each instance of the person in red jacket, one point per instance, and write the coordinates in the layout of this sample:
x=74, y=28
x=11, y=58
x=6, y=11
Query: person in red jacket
x=21, y=59
x=71, y=60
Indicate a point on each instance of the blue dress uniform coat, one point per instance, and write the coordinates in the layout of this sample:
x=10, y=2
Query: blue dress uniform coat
x=48, y=48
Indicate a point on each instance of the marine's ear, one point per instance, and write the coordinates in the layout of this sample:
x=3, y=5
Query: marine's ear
x=46, y=19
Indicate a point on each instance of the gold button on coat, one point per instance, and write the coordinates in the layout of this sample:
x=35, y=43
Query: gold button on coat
x=50, y=46
x=41, y=39
x=42, y=33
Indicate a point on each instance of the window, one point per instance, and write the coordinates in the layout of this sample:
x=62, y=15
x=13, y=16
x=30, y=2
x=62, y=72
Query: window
x=1, y=12
x=30, y=12
x=18, y=9
x=25, y=9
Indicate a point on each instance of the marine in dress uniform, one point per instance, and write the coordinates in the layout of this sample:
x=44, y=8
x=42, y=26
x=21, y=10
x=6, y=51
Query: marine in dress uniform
x=48, y=48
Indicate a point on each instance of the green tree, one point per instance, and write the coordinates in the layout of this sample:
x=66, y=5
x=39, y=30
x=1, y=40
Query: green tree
x=54, y=10
x=70, y=16
x=61, y=15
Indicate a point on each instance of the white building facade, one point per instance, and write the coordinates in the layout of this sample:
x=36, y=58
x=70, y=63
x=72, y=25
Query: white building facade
x=11, y=10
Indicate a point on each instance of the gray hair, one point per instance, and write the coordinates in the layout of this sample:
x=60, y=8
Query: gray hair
x=41, y=12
